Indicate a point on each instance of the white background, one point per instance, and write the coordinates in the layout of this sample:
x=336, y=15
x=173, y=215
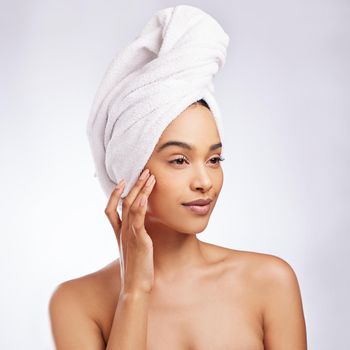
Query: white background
x=284, y=96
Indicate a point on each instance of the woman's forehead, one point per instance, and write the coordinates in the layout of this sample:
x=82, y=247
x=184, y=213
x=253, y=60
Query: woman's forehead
x=191, y=121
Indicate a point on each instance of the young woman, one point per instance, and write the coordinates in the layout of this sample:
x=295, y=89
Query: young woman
x=169, y=290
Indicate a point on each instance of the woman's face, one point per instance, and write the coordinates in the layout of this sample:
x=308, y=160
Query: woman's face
x=184, y=175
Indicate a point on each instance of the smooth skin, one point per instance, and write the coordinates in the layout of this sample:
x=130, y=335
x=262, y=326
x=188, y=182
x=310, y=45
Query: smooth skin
x=189, y=294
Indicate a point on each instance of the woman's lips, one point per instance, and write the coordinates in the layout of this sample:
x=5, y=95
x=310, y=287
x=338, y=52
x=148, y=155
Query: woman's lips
x=198, y=209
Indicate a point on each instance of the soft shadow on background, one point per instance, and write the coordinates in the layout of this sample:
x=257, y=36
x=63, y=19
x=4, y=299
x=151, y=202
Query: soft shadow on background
x=284, y=96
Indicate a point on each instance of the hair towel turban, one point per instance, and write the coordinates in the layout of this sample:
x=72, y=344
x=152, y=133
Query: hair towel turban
x=168, y=66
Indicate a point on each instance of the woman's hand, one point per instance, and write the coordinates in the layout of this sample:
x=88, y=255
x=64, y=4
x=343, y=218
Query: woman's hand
x=134, y=243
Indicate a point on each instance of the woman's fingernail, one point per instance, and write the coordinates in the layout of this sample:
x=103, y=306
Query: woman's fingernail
x=120, y=183
x=150, y=180
x=144, y=174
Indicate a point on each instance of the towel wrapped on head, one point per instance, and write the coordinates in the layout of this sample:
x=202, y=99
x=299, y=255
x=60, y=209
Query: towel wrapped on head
x=170, y=65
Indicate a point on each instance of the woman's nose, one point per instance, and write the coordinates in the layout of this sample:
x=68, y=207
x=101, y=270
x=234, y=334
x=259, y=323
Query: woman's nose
x=201, y=181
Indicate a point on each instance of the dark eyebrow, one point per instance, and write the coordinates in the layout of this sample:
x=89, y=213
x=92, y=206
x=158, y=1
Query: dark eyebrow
x=186, y=145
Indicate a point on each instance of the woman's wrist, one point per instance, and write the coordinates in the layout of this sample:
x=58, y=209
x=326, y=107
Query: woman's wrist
x=134, y=295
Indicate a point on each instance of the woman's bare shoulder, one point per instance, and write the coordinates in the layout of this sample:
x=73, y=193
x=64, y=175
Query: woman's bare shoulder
x=92, y=280
x=270, y=276
x=73, y=308
x=87, y=289
x=261, y=268
x=274, y=285
x=266, y=267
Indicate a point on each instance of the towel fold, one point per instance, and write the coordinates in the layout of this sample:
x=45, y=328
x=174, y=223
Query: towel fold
x=170, y=65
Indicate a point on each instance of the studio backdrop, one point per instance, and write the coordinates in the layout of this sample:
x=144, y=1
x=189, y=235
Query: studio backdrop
x=284, y=98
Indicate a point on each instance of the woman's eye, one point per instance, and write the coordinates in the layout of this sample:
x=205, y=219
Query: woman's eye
x=217, y=160
x=177, y=160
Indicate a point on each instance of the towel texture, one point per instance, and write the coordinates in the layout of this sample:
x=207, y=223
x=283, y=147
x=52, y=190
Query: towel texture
x=168, y=66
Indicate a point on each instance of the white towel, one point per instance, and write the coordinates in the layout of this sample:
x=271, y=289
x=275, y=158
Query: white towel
x=170, y=65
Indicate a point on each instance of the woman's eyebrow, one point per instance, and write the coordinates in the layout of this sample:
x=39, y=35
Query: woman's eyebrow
x=186, y=145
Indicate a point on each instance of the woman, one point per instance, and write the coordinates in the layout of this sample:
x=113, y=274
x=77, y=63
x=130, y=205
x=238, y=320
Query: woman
x=169, y=290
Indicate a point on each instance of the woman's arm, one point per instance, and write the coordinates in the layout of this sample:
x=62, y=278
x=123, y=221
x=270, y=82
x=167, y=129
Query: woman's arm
x=129, y=328
x=73, y=328
x=284, y=323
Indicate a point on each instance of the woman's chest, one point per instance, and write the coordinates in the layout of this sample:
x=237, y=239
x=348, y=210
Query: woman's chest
x=206, y=324
x=204, y=320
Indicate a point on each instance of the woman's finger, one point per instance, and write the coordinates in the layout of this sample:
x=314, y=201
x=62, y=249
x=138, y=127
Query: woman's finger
x=130, y=198
x=111, y=208
x=138, y=209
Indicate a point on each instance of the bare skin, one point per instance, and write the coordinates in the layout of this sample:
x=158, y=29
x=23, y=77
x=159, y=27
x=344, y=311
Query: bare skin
x=203, y=296
x=224, y=307
x=203, y=311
